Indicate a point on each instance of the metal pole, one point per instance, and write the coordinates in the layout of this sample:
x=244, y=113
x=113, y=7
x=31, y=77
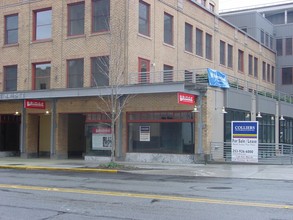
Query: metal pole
x=119, y=137
x=200, y=126
x=23, y=131
x=53, y=128
x=277, y=127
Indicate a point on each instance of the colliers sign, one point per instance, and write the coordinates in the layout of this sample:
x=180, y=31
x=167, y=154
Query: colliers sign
x=185, y=98
x=36, y=104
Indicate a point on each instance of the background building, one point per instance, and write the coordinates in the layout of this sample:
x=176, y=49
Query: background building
x=61, y=60
x=272, y=26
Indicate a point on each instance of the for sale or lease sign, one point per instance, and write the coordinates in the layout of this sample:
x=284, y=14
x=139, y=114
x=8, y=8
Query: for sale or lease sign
x=244, y=141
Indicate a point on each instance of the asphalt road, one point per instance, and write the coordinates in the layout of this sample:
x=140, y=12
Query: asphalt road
x=40, y=195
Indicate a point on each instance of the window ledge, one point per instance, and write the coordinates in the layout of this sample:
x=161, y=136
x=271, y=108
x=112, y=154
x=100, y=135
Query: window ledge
x=10, y=45
x=169, y=45
x=75, y=36
x=41, y=41
x=188, y=52
x=100, y=33
x=144, y=36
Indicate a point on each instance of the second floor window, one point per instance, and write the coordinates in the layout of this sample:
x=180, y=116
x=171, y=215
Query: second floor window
x=255, y=64
x=273, y=74
x=222, y=53
x=100, y=71
x=263, y=70
x=188, y=37
x=230, y=56
x=144, y=18
x=287, y=76
x=250, y=64
x=268, y=72
x=75, y=73
x=101, y=15
x=209, y=46
x=279, y=47
x=168, y=29
x=76, y=19
x=262, y=36
x=11, y=29
x=240, y=61
x=199, y=42
x=10, y=78
x=43, y=24
x=289, y=46
x=41, y=76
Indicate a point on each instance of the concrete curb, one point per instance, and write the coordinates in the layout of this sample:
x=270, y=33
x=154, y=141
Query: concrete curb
x=96, y=170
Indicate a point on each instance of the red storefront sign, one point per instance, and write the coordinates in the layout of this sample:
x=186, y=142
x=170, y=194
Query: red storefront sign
x=37, y=104
x=185, y=98
x=101, y=131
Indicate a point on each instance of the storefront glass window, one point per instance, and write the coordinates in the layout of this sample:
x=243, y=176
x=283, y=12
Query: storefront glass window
x=266, y=129
x=98, y=134
x=233, y=115
x=161, y=132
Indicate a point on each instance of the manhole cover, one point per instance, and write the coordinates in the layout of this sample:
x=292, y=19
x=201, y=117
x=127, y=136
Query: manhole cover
x=219, y=187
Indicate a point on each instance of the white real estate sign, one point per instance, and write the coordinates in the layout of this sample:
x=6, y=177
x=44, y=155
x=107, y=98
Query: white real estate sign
x=244, y=139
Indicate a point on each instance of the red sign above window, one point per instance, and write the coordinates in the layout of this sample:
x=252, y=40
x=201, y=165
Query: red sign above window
x=185, y=98
x=37, y=104
x=101, y=131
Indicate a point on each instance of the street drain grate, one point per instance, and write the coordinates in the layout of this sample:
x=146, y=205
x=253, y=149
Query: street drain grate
x=219, y=187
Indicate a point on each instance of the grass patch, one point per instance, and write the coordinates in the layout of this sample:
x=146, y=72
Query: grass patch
x=116, y=166
x=111, y=165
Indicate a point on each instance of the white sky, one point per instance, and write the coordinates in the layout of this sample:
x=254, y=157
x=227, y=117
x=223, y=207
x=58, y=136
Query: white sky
x=238, y=4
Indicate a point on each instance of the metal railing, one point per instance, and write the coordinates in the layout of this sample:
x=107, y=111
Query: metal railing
x=200, y=76
x=192, y=76
x=268, y=153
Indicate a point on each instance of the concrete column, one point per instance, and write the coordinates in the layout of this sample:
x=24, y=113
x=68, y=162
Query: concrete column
x=253, y=108
x=61, y=149
x=200, y=126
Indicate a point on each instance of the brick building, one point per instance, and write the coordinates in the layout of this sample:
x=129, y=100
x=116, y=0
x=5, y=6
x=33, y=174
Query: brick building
x=60, y=61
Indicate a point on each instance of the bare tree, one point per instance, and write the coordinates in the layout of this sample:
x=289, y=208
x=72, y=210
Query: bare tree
x=109, y=72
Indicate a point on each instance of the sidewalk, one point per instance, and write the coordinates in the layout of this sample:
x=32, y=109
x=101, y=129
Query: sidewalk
x=276, y=172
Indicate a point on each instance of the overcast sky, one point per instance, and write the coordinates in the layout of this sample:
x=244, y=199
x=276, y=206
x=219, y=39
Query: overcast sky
x=237, y=4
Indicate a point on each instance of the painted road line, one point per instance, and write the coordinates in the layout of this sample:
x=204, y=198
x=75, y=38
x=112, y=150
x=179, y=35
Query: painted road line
x=59, y=169
x=149, y=196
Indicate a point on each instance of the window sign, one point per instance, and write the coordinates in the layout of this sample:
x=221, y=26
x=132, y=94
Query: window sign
x=244, y=141
x=101, y=138
x=144, y=133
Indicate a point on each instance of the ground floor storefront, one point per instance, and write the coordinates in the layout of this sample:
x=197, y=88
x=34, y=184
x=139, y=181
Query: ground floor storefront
x=151, y=127
x=77, y=128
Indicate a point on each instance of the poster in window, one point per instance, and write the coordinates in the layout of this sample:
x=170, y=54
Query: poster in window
x=101, y=138
x=144, y=133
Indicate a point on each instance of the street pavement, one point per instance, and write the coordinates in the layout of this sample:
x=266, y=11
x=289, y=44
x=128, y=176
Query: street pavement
x=247, y=171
